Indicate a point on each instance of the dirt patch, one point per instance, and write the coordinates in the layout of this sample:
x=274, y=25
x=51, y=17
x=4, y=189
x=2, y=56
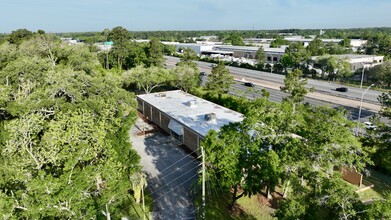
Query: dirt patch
x=141, y=133
x=149, y=127
x=271, y=203
x=237, y=210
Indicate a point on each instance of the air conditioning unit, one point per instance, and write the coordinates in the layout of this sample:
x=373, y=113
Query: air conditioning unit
x=161, y=95
x=192, y=103
x=210, y=117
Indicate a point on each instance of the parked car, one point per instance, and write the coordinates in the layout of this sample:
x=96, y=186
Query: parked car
x=203, y=74
x=370, y=126
x=249, y=84
x=342, y=89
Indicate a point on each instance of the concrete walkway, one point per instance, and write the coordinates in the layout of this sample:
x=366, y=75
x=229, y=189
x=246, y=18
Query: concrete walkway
x=171, y=172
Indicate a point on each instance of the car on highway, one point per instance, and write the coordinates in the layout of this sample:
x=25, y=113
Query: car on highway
x=342, y=89
x=370, y=125
x=249, y=84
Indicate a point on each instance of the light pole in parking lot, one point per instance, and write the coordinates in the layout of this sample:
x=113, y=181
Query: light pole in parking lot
x=362, y=96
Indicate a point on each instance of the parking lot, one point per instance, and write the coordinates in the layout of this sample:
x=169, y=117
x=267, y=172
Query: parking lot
x=171, y=172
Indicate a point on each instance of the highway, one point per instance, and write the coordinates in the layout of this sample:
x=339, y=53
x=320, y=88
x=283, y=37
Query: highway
x=324, y=94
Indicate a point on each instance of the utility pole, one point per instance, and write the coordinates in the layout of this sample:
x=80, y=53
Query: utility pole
x=203, y=182
x=142, y=194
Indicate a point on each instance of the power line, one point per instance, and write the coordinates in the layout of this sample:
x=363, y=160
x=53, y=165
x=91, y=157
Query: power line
x=173, y=171
x=165, y=195
x=121, y=197
x=166, y=184
x=174, y=188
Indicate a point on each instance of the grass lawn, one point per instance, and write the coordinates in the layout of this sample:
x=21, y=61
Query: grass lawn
x=255, y=208
x=382, y=185
x=245, y=208
x=135, y=211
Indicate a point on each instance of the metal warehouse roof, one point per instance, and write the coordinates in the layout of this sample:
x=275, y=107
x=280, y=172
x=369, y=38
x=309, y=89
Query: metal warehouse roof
x=191, y=110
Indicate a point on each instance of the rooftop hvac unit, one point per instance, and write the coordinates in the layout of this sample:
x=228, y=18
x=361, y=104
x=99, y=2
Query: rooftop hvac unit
x=192, y=103
x=161, y=95
x=210, y=117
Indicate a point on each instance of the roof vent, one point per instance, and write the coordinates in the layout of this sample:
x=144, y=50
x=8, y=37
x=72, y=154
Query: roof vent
x=210, y=117
x=161, y=95
x=192, y=103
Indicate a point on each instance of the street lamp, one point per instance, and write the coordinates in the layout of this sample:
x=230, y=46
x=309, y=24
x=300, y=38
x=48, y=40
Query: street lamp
x=362, y=75
x=362, y=96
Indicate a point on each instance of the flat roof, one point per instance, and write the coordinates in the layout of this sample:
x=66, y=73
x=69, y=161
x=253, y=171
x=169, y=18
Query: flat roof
x=248, y=48
x=175, y=105
x=351, y=56
x=237, y=47
x=218, y=51
x=356, y=56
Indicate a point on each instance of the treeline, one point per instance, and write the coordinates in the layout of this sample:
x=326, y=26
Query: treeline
x=372, y=34
x=353, y=33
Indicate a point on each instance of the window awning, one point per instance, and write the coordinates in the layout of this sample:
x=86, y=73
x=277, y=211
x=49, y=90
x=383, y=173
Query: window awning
x=175, y=127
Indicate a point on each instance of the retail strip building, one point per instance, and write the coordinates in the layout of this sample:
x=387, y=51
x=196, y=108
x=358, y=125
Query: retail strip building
x=185, y=117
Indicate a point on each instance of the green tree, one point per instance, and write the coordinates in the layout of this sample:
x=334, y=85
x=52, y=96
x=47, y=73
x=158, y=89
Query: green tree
x=78, y=58
x=240, y=161
x=335, y=67
x=155, y=53
x=121, y=38
x=169, y=49
x=220, y=80
x=260, y=56
x=16, y=37
x=287, y=62
x=186, y=77
x=294, y=85
x=64, y=135
x=189, y=55
x=136, y=56
x=345, y=42
x=381, y=73
x=297, y=54
x=234, y=39
x=147, y=79
x=379, y=141
x=278, y=42
x=316, y=47
x=8, y=53
x=380, y=209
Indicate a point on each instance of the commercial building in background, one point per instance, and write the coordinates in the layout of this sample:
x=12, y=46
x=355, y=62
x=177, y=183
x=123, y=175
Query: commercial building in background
x=271, y=54
x=358, y=61
x=185, y=117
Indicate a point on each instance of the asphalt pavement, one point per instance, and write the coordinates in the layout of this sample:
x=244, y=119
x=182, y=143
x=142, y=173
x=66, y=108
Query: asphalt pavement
x=319, y=86
x=171, y=173
x=324, y=94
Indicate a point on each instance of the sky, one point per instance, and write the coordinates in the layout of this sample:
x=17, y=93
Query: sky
x=54, y=16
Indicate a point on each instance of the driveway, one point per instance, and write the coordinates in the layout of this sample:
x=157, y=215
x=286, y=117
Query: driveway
x=172, y=173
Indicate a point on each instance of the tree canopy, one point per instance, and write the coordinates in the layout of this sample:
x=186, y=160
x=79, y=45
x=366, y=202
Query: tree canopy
x=220, y=80
x=65, y=150
x=381, y=73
